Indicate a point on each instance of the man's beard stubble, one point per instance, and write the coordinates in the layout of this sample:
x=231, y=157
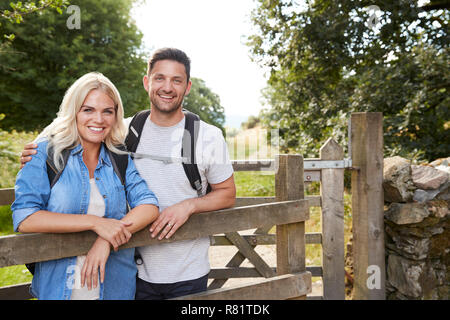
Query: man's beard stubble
x=175, y=108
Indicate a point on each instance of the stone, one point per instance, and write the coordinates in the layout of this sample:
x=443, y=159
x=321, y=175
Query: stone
x=445, y=193
x=404, y=275
x=397, y=182
x=425, y=195
x=441, y=164
x=428, y=178
x=412, y=248
x=440, y=244
x=406, y=213
x=438, y=209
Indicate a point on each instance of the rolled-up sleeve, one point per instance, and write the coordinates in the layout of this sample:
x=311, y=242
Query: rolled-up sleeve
x=137, y=189
x=32, y=188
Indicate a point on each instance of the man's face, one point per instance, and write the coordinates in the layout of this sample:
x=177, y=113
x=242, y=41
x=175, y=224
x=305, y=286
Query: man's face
x=167, y=85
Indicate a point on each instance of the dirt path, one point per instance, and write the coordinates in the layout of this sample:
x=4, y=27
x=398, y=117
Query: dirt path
x=219, y=256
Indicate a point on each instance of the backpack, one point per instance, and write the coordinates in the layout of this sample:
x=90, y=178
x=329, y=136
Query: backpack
x=189, y=142
x=118, y=161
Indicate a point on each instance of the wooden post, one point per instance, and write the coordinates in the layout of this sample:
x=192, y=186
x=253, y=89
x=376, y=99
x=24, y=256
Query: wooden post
x=367, y=206
x=332, y=193
x=290, y=237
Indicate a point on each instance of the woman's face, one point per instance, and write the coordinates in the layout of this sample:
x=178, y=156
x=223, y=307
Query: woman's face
x=96, y=118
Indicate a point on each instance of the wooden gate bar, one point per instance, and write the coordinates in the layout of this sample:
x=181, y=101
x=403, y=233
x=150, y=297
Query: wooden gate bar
x=248, y=251
x=27, y=248
x=278, y=288
x=264, y=239
x=238, y=258
x=290, y=237
x=332, y=194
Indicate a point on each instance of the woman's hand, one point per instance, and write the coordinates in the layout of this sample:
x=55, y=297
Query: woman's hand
x=112, y=230
x=95, y=260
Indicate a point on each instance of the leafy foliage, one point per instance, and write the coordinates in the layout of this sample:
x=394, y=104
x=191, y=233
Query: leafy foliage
x=329, y=59
x=19, y=9
x=46, y=57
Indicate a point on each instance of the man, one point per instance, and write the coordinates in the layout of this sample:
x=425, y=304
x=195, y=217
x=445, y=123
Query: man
x=179, y=268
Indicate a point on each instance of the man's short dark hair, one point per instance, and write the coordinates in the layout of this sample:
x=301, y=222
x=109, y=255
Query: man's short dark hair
x=170, y=54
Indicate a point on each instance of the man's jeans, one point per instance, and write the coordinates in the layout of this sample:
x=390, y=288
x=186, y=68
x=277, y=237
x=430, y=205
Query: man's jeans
x=159, y=291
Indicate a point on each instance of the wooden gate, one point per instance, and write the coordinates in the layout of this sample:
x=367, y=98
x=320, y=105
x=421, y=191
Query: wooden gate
x=288, y=210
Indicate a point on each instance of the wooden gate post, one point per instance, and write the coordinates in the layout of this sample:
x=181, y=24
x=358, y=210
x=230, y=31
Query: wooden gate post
x=332, y=193
x=367, y=206
x=290, y=237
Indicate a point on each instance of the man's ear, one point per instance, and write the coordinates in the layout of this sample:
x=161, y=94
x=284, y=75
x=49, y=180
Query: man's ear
x=188, y=88
x=145, y=82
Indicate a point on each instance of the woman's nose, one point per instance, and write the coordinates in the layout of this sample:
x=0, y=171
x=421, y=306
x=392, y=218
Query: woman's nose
x=99, y=117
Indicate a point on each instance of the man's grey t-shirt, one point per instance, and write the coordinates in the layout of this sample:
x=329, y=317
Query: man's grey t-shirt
x=182, y=260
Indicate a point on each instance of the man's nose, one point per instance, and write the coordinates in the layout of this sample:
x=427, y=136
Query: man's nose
x=167, y=86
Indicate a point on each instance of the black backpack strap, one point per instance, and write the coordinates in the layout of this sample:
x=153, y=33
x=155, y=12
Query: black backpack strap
x=52, y=173
x=135, y=130
x=119, y=163
x=189, y=143
x=192, y=125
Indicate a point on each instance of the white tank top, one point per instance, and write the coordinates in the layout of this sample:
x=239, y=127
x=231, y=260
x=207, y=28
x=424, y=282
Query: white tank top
x=96, y=208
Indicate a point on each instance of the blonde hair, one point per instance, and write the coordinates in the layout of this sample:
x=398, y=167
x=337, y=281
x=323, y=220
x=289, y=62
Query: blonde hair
x=62, y=133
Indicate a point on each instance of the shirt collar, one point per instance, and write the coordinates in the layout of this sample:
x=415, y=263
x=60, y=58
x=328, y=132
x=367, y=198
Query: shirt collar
x=103, y=157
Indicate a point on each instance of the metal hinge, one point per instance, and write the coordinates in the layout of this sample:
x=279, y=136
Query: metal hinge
x=327, y=164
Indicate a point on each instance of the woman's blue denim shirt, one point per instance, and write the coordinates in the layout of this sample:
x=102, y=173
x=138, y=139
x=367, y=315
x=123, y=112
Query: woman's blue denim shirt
x=54, y=279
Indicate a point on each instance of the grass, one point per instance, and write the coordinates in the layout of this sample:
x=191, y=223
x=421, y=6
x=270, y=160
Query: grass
x=11, y=145
x=15, y=274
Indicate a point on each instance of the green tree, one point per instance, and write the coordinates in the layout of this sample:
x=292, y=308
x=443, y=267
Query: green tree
x=328, y=59
x=46, y=57
x=202, y=101
x=17, y=10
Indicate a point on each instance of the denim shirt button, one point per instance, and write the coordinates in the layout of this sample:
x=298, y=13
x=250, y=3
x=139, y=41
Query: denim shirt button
x=97, y=178
x=104, y=196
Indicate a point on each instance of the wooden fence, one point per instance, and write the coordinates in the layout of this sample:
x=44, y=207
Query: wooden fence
x=288, y=210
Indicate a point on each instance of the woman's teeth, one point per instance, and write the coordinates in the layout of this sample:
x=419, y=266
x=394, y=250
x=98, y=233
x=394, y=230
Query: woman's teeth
x=96, y=129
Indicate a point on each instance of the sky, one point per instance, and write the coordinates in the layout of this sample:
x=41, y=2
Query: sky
x=212, y=33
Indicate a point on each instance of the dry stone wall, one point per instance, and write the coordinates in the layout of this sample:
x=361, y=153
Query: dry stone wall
x=417, y=229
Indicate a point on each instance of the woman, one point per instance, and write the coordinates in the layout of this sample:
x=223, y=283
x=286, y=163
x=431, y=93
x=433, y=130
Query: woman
x=87, y=196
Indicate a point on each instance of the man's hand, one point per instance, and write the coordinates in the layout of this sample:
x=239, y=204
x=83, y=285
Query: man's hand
x=28, y=151
x=171, y=219
x=222, y=195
